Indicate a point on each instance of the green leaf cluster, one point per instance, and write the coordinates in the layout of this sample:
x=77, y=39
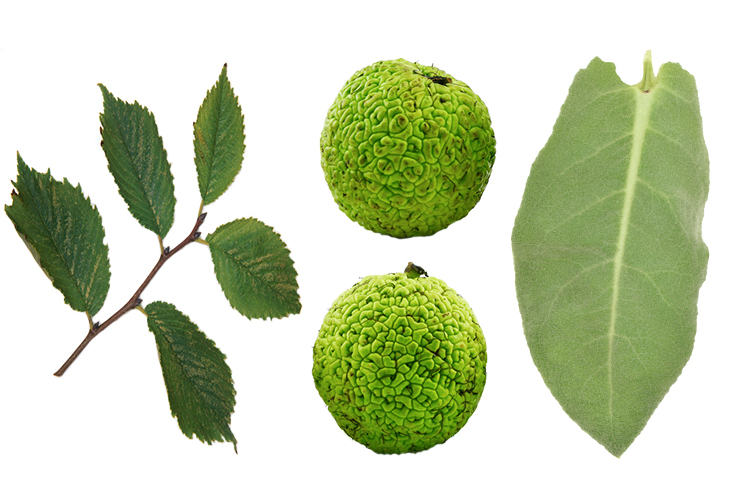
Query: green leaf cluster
x=64, y=233
x=607, y=247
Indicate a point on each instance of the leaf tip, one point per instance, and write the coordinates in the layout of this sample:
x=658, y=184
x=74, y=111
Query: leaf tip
x=617, y=453
x=223, y=77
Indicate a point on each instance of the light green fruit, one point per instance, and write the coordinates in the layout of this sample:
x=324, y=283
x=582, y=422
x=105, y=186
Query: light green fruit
x=400, y=362
x=407, y=149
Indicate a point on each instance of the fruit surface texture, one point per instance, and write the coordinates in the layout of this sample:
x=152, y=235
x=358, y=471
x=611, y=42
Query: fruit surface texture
x=400, y=362
x=407, y=149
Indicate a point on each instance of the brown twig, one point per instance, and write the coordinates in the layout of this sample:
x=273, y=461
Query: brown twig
x=135, y=299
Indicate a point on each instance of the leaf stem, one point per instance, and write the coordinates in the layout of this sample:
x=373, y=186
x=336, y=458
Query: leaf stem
x=649, y=79
x=135, y=300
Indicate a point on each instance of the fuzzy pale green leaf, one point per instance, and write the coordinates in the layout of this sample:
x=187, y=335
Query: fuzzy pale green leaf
x=64, y=233
x=254, y=269
x=219, y=140
x=137, y=160
x=607, y=247
x=198, y=381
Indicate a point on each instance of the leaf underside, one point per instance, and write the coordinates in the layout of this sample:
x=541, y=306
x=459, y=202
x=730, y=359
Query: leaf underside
x=198, y=381
x=254, y=269
x=219, y=140
x=607, y=248
x=64, y=233
x=137, y=160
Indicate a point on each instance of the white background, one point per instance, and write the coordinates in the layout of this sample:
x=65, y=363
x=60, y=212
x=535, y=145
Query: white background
x=109, y=414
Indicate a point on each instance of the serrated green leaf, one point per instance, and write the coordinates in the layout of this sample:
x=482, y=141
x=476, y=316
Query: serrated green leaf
x=607, y=247
x=219, y=140
x=137, y=160
x=198, y=381
x=254, y=269
x=64, y=233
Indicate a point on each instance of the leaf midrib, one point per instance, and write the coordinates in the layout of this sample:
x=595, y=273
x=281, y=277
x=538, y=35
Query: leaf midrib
x=642, y=113
x=220, y=111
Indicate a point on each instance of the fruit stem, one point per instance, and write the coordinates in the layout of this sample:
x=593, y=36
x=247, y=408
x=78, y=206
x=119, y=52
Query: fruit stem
x=413, y=270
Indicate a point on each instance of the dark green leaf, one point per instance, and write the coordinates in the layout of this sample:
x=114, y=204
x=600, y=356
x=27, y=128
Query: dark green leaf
x=254, y=269
x=137, y=160
x=198, y=381
x=64, y=233
x=219, y=140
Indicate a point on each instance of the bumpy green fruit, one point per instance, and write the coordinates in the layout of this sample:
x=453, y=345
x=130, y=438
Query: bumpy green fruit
x=400, y=362
x=407, y=149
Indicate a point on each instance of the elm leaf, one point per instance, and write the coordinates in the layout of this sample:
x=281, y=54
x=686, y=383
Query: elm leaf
x=137, y=160
x=64, y=233
x=219, y=140
x=254, y=269
x=198, y=381
x=607, y=246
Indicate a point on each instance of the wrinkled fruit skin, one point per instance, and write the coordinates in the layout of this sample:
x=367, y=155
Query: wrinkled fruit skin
x=407, y=149
x=400, y=362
